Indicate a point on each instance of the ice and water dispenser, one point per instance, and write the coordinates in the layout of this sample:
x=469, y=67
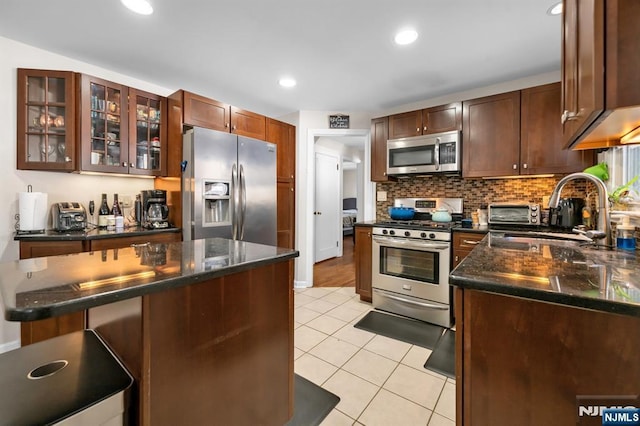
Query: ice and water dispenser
x=216, y=203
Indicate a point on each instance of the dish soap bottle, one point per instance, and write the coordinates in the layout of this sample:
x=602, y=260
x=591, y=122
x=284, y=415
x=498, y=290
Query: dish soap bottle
x=626, y=239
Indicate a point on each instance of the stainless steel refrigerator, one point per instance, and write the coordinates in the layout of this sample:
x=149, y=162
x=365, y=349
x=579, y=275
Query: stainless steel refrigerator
x=228, y=187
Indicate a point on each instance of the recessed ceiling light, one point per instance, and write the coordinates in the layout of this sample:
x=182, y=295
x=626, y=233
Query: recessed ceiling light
x=143, y=7
x=406, y=37
x=287, y=82
x=556, y=9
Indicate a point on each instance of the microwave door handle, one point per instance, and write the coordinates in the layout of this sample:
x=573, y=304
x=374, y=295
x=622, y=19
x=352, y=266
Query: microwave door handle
x=437, y=154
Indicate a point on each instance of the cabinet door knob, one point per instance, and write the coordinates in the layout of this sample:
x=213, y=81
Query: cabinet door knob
x=515, y=167
x=226, y=125
x=124, y=164
x=291, y=176
x=457, y=258
x=234, y=127
x=568, y=116
x=384, y=173
x=291, y=189
x=425, y=129
x=67, y=159
x=524, y=166
x=131, y=165
x=418, y=130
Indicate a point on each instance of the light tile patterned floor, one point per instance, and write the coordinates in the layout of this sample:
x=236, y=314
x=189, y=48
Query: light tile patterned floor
x=380, y=381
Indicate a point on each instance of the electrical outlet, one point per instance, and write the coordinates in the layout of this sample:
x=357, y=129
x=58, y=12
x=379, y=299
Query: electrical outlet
x=382, y=196
x=126, y=201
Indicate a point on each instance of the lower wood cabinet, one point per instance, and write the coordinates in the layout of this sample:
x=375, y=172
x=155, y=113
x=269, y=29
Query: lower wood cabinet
x=36, y=331
x=525, y=362
x=363, y=257
x=463, y=243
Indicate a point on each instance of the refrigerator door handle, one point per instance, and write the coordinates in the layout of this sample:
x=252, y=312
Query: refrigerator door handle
x=243, y=201
x=235, y=195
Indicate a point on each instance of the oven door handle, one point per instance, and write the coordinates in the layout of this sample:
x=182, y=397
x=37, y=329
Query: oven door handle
x=407, y=243
x=411, y=302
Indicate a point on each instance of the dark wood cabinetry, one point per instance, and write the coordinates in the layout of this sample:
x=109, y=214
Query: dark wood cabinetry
x=541, y=143
x=363, y=258
x=491, y=135
x=284, y=136
x=517, y=133
x=600, y=82
x=103, y=123
x=247, y=123
x=562, y=352
x=203, y=112
x=147, y=133
x=36, y=331
x=463, y=243
x=46, y=130
x=379, y=136
x=437, y=119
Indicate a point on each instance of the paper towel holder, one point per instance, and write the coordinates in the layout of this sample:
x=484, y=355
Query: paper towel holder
x=17, y=218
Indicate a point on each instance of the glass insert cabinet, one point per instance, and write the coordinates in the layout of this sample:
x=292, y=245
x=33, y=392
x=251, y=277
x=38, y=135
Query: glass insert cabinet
x=46, y=120
x=76, y=122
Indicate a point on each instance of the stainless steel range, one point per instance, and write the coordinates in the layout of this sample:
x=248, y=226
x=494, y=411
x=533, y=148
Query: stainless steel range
x=411, y=261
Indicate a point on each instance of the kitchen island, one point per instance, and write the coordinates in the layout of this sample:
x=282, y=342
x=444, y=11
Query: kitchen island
x=205, y=327
x=544, y=326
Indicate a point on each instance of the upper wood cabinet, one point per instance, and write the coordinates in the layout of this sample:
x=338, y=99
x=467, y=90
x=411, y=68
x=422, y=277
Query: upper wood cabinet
x=517, y=133
x=204, y=112
x=103, y=123
x=541, y=144
x=437, y=119
x=491, y=135
x=247, y=123
x=600, y=79
x=46, y=130
x=147, y=133
x=379, y=136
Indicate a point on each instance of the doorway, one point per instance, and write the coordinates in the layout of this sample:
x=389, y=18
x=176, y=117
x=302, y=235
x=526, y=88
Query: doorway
x=326, y=206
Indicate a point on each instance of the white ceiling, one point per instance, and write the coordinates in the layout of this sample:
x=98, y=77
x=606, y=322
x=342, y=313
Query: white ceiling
x=341, y=52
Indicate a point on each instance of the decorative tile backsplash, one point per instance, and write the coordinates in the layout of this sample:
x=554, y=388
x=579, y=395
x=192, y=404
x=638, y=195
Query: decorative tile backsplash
x=475, y=192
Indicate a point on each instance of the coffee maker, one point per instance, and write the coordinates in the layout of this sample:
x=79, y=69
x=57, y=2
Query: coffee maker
x=155, y=211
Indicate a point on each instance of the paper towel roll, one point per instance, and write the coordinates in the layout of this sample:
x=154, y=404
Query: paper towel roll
x=33, y=211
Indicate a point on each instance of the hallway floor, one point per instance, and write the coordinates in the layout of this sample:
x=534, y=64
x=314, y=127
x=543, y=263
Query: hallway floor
x=380, y=381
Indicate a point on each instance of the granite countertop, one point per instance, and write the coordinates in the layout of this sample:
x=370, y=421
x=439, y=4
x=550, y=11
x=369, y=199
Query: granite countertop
x=45, y=287
x=91, y=234
x=553, y=270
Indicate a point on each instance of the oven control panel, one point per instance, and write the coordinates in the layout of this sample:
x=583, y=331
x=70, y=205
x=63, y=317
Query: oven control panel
x=422, y=234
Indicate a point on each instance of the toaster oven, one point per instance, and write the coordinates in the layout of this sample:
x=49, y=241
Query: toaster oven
x=514, y=214
x=68, y=216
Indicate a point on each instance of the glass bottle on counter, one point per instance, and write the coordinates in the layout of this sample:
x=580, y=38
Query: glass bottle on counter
x=138, y=210
x=115, y=210
x=103, y=212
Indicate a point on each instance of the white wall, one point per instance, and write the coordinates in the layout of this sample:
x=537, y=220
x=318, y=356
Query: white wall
x=58, y=186
x=349, y=183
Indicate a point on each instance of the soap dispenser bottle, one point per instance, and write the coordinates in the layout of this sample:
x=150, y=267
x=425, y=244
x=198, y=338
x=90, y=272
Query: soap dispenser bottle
x=626, y=239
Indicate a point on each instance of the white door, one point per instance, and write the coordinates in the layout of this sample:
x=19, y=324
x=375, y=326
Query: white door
x=327, y=206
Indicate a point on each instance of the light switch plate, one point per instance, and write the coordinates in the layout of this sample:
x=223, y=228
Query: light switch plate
x=382, y=196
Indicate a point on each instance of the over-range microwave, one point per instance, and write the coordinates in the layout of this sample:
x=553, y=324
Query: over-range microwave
x=435, y=153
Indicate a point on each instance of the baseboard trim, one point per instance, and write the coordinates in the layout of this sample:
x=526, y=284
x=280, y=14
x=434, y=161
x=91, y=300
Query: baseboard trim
x=300, y=284
x=9, y=346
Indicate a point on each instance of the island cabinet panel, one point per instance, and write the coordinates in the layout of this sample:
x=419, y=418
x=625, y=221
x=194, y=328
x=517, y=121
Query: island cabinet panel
x=463, y=243
x=219, y=351
x=364, y=250
x=491, y=135
x=524, y=362
x=121, y=242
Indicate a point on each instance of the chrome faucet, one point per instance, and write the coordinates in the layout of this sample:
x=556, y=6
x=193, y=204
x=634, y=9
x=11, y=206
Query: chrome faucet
x=604, y=221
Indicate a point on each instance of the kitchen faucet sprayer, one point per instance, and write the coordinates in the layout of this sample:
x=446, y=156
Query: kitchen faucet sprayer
x=604, y=221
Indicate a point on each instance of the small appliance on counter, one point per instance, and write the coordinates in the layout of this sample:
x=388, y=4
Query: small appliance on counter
x=68, y=216
x=568, y=214
x=155, y=212
x=514, y=214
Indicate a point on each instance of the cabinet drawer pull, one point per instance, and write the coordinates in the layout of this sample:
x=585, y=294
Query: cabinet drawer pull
x=134, y=245
x=473, y=243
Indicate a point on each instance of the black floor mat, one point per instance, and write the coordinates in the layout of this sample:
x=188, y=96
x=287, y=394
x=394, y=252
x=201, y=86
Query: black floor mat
x=443, y=360
x=311, y=403
x=404, y=329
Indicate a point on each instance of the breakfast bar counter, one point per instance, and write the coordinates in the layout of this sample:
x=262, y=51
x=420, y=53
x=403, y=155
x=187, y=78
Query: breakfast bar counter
x=205, y=327
x=544, y=327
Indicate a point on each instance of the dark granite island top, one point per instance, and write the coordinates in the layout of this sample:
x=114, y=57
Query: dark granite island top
x=553, y=270
x=40, y=288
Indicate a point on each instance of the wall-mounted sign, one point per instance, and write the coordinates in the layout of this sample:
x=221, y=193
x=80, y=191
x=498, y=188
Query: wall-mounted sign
x=339, y=121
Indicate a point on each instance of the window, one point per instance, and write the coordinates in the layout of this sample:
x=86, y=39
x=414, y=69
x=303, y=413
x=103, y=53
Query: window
x=624, y=165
